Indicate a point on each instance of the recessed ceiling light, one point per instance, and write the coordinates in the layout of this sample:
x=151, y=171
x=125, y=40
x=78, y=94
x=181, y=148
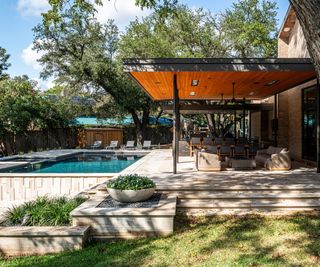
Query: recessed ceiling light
x=286, y=29
x=272, y=83
x=251, y=93
x=194, y=82
x=192, y=93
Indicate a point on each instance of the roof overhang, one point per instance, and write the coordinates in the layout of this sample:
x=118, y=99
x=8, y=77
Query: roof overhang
x=208, y=109
x=254, y=78
x=287, y=24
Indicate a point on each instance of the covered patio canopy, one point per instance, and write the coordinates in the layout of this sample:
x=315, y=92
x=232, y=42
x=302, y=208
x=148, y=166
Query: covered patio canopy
x=189, y=79
x=208, y=79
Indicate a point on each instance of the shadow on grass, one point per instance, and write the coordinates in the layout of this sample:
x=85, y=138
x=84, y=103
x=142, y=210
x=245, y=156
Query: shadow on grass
x=310, y=224
x=242, y=237
x=238, y=234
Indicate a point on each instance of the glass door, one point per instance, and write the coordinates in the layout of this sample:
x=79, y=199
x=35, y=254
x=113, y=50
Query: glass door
x=309, y=131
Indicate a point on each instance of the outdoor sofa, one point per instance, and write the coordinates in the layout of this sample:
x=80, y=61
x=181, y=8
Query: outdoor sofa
x=274, y=158
x=207, y=161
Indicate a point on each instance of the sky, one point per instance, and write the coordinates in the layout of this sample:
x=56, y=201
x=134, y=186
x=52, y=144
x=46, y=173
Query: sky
x=18, y=17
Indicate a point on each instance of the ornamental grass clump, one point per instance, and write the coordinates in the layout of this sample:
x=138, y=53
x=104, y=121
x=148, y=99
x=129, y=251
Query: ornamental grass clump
x=44, y=211
x=131, y=182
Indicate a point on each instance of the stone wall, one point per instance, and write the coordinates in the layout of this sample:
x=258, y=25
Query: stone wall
x=22, y=188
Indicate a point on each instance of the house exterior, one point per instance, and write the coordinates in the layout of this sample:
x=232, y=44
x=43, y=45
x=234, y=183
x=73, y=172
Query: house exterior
x=297, y=106
x=287, y=82
x=295, y=114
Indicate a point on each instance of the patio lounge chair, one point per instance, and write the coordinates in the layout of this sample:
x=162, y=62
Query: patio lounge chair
x=113, y=145
x=195, y=143
x=130, y=145
x=96, y=145
x=274, y=158
x=146, y=144
x=207, y=161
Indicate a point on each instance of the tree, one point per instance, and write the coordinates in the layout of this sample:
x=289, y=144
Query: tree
x=4, y=65
x=198, y=33
x=80, y=52
x=250, y=28
x=24, y=108
x=308, y=14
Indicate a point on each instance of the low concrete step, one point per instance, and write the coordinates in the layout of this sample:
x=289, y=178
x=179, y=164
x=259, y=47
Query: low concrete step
x=248, y=203
x=253, y=194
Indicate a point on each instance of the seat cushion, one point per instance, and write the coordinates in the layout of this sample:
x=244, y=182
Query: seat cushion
x=262, y=158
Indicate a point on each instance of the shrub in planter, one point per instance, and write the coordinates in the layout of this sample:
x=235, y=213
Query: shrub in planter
x=44, y=211
x=131, y=188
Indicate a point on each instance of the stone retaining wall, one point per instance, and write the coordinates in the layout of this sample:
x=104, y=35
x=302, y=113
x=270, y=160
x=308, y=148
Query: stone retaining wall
x=23, y=187
x=32, y=240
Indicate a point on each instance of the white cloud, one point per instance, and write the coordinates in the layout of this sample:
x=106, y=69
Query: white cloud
x=32, y=8
x=30, y=57
x=121, y=11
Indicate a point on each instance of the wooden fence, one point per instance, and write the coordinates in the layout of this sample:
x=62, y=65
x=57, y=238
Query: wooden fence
x=39, y=140
x=89, y=135
x=157, y=134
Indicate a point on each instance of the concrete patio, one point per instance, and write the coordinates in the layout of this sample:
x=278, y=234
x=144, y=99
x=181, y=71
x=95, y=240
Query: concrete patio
x=228, y=190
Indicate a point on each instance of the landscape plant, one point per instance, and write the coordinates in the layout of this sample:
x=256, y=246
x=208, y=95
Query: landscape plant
x=131, y=182
x=44, y=211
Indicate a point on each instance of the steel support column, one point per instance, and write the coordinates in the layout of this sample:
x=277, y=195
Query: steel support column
x=176, y=124
x=275, y=120
x=244, y=123
x=235, y=125
x=249, y=130
x=318, y=125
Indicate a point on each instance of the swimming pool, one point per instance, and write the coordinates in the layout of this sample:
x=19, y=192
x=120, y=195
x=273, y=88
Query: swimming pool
x=81, y=163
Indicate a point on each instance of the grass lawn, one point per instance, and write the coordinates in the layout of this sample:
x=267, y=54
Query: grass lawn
x=217, y=241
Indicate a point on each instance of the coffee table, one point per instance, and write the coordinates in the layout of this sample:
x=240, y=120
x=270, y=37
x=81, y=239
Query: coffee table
x=241, y=163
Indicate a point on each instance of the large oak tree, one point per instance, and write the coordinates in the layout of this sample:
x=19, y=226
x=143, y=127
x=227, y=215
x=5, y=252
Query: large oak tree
x=308, y=14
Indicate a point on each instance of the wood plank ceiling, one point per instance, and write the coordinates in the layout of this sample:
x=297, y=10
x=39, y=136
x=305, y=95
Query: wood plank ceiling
x=211, y=85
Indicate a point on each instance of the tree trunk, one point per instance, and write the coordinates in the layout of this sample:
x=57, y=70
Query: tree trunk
x=308, y=14
x=211, y=124
x=141, y=125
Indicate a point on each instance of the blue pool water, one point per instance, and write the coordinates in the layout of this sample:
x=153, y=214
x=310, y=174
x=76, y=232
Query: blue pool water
x=80, y=164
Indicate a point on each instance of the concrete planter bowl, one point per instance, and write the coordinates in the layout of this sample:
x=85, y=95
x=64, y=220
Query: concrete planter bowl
x=131, y=195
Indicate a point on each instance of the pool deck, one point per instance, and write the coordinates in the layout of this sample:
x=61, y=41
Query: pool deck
x=158, y=166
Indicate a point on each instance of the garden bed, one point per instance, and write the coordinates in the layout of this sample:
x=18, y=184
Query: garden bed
x=42, y=226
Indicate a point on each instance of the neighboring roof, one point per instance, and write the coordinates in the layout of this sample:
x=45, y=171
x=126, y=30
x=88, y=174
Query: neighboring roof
x=254, y=78
x=94, y=121
x=287, y=24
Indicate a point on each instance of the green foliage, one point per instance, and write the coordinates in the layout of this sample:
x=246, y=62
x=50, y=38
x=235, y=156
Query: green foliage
x=82, y=53
x=250, y=28
x=4, y=65
x=131, y=182
x=23, y=107
x=43, y=211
